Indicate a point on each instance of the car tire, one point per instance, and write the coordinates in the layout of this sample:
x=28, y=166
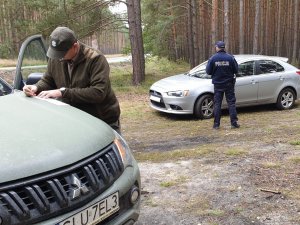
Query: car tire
x=204, y=107
x=286, y=99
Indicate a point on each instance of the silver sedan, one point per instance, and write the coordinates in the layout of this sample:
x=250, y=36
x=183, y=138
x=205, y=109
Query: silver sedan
x=260, y=80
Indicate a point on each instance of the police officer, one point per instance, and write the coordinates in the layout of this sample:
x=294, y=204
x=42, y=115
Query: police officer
x=223, y=67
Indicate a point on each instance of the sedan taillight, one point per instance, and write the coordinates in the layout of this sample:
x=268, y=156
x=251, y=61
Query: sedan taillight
x=298, y=72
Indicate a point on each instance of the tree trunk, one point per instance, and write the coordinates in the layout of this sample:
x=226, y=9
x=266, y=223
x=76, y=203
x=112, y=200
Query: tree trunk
x=278, y=36
x=202, y=29
x=214, y=22
x=263, y=20
x=226, y=24
x=256, y=27
x=289, y=30
x=190, y=34
x=136, y=41
x=296, y=13
x=267, y=31
x=242, y=28
x=195, y=34
x=174, y=33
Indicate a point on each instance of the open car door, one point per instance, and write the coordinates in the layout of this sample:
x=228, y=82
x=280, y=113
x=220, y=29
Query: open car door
x=32, y=62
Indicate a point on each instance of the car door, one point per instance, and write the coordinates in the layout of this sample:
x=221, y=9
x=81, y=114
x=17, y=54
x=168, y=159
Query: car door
x=32, y=62
x=269, y=79
x=246, y=87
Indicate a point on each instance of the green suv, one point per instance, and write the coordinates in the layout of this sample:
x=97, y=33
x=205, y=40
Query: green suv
x=60, y=165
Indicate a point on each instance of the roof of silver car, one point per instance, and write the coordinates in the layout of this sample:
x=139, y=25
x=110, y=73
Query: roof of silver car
x=245, y=56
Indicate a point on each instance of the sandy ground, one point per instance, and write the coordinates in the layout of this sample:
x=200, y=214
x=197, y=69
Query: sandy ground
x=219, y=191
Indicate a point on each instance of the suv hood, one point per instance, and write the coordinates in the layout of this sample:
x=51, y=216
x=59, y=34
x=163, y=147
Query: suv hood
x=38, y=136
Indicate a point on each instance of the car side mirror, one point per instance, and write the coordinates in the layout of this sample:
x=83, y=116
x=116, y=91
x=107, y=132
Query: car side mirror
x=33, y=78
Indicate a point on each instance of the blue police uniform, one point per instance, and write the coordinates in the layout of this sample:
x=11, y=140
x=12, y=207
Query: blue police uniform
x=223, y=67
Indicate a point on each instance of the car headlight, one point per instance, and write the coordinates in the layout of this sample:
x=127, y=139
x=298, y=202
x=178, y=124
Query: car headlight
x=178, y=93
x=123, y=149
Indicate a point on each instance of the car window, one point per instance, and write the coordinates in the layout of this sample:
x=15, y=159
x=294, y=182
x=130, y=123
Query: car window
x=201, y=66
x=269, y=66
x=246, y=69
x=199, y=71
x=34, y=59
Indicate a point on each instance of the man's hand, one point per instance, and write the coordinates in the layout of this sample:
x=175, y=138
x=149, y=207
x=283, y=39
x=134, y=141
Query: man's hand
x=30, y=90
x=50, y=94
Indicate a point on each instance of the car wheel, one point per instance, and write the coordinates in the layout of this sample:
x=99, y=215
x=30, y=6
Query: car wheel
x=286, y=99
x=204, y=107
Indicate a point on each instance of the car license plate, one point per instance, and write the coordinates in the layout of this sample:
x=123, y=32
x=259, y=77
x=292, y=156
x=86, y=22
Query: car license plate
x=95, y=213
x=154, y=98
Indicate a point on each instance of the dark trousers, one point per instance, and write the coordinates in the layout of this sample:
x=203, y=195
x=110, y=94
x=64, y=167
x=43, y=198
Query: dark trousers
x=228, y=90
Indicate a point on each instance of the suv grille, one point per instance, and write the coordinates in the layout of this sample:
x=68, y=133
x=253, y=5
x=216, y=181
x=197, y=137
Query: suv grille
x=33, y=200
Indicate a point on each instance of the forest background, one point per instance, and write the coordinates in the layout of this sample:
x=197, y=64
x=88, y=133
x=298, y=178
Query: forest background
x=180, y=30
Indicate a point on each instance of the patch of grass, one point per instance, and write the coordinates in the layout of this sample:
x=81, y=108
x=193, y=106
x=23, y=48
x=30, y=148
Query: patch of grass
x=235, y=152
x=200, y=206
x=156, y=69
x=26, y=62
x=121, y=77
x=167, y=183
x=271, y=165
x=179, y=180
x=134, y=111
x=150, y=202
x=34, y=62
x=234, y=188
x=269, y=130
x=293, y=193
x=174, y=155
x=212, y=212
x=198, y=202
x=295, y=143
x=239, y=210
x=295, y=159
x=162, y=66
x=8, y=62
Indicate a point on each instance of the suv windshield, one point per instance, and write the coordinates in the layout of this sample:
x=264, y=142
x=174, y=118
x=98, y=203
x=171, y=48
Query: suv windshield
x=199, y=71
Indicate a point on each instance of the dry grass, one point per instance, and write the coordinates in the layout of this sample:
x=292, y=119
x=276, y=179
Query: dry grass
x=8, y=62
x=148, y=130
